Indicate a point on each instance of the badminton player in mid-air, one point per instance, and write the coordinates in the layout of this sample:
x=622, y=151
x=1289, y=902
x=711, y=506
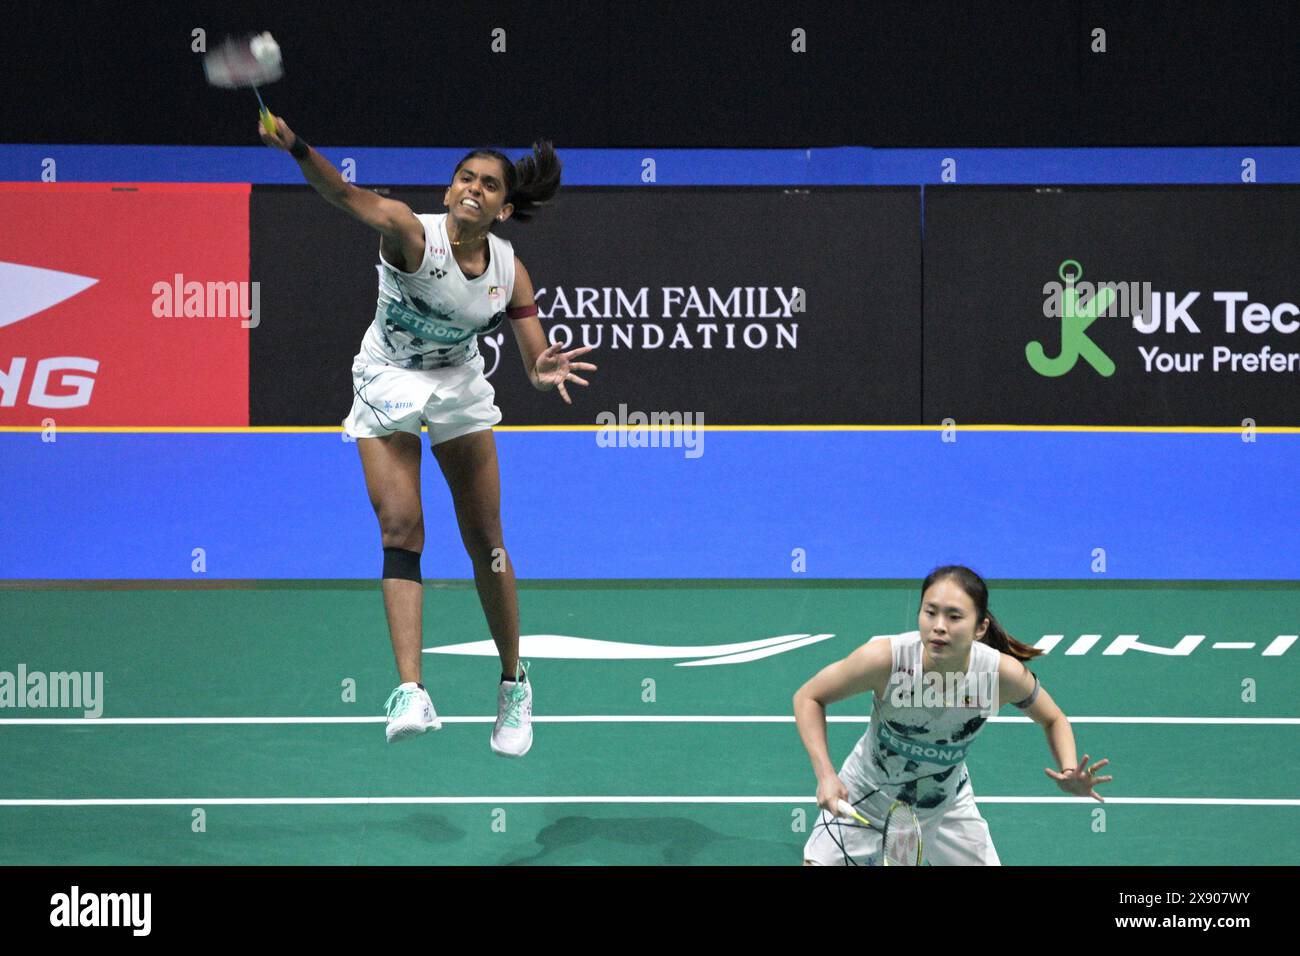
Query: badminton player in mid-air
x=915, y=748
x=444, y=279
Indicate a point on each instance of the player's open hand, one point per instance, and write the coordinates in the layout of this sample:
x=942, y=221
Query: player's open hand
x=283, y=138
x=1081, y=780
x=554, y=368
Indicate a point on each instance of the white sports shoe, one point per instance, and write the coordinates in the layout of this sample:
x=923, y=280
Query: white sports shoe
x=410, y=712
x=513, y=734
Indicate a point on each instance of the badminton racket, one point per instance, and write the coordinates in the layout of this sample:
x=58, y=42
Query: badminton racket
x=246, y=63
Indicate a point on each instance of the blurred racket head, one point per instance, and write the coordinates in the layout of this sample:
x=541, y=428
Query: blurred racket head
x=241, y=62
x=902, y=837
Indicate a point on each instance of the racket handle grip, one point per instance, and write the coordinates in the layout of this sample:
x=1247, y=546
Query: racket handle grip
x=845, y=809
x=268, y=121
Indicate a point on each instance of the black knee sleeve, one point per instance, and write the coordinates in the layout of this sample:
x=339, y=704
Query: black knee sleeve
x=403, y=564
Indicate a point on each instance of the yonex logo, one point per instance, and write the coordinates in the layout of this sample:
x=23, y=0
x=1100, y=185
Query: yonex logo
x=27, y=290
x=438, y=273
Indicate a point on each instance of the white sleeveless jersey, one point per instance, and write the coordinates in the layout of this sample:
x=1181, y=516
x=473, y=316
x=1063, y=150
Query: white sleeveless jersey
x=917, y=753
x=431, y=318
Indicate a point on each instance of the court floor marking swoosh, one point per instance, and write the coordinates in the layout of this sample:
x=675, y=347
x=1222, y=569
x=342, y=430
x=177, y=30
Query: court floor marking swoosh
x=565, y=647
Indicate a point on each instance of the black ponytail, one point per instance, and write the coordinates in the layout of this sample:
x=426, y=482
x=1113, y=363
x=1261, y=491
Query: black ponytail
x=997, y=638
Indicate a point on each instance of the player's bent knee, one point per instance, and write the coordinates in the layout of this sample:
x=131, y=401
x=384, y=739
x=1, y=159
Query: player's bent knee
x=402, y=532
x=483, y=543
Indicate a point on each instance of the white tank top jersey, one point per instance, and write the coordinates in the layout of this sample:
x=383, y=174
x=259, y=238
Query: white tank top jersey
x=918, y=754
x=430, y=318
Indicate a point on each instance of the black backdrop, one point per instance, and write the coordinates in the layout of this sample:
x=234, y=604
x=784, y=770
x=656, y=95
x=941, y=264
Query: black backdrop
x=613, y=73
x=991, y=250
x=852, y=356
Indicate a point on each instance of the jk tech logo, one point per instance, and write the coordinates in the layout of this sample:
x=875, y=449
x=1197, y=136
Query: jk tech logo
x=1075, y=320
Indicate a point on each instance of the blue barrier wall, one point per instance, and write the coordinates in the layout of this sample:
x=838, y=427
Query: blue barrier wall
x=673, y=167
x=861, y=504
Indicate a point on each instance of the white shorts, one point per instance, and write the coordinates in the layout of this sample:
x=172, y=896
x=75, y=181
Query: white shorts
x=956, y=837
x=451, y=401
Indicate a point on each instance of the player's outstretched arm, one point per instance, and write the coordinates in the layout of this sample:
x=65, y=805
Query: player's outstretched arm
x=865, y=669
x=395, y=220
x=546, y=367
x=1017, y=684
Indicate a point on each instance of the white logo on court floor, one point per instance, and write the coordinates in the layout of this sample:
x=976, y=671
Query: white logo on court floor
x=562, y=647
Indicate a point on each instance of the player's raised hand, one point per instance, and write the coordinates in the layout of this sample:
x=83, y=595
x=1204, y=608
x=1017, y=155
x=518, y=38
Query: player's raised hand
x=1081, y=780
x=283, y=138
x=554, y=368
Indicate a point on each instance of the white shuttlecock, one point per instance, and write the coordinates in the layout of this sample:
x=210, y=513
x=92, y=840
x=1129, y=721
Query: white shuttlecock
x=265, y=49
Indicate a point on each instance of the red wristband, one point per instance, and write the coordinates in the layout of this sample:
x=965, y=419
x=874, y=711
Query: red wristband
x=521, y=311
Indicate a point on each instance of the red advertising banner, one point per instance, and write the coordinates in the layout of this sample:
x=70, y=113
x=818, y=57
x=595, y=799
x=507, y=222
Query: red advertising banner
x=125, y=304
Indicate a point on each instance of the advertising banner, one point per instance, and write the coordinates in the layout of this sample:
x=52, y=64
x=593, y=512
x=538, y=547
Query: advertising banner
x=747, y=306
x=1155, y=306
x=125, y=304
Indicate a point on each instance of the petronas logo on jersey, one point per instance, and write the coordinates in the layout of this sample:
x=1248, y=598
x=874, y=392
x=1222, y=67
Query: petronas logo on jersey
x=945, y=754
x=424, y=325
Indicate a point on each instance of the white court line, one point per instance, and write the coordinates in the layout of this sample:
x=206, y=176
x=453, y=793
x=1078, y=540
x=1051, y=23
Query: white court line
x=644, y=800
x=606, y=719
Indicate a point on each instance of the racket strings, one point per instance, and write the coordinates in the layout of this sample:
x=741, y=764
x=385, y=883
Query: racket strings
x=901, y=845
